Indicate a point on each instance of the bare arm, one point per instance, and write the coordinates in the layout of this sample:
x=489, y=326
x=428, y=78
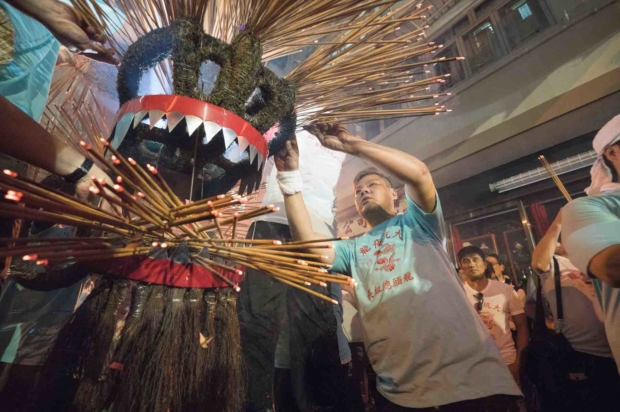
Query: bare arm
x=606, y=266
x=545, y=249
x=23, y=138
x=418, y=182
x=296, y=211
x=68, y=26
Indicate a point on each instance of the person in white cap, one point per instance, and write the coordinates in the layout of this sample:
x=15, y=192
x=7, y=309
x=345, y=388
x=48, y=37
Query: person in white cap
x=591, y=229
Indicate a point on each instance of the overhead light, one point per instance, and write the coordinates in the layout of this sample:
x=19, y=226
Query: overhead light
x=571, y=164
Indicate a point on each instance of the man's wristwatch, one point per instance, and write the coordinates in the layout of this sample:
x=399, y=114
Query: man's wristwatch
x=79, y=173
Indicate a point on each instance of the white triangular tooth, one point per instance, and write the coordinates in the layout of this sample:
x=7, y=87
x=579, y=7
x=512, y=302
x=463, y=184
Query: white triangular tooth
x=193, y=122
x=155, y=116
x=260, y=160
x=253, y=153
x=211, y=129
x=243, y=143
x=229, y=136
x=138, y=118
x=174, y=118
x=121, y=129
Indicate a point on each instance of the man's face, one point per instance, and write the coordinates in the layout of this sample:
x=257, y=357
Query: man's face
x=473, y=266
x=373, y=194
x=498, y=268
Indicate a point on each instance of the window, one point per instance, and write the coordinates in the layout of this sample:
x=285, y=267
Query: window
x=454, y=67
x=482, y=46
x=371, y=129
x=452, y=31
x=522, y=19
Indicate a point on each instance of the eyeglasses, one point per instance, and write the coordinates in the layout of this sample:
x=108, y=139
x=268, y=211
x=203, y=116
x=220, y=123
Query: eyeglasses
x=480, y=299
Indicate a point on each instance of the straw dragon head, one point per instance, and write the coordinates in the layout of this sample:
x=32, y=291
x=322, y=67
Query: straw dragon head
x=221, y=132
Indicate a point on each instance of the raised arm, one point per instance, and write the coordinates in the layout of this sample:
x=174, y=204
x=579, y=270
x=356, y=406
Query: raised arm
x=544, y=251
x=418, y=182
x=68, y=26
x=287, y=161
x=23, y=138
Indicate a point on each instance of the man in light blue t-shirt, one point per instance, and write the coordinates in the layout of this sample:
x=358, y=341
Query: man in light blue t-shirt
x=424, y=339
x=591, y=229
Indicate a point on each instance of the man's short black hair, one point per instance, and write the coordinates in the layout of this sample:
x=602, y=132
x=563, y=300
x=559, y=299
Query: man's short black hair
x=469, y=250
x=614, y=173
x=496, y=256
x=371, y=171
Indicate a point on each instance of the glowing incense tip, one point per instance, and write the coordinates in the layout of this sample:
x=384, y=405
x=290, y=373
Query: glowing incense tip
x=119, y=189
x=243, y=200
x=324, y=257
x=134, y=198
x=131, y=161
x=140, y=194
x=460, y=58
x=270, y=206
x=239, y=272
x=115, y=160
x=237, y=289
x=323, y=284
x=275, y=209
x=9, y=173
x=344, y=237
x=104, y=141
x=93, y=190
x=164, y=245
x=330, y=246
x=13, y=195
x=155, y=244
x=322, y=270
x=449, y=94
x=435, y=96
x=235, y=215
x=334, y=301
x=302, y=262
x=84, y=145
x=277, y=242
x=307, y=283
x=30, y=257
x=119, y=180
x=42, y=262
x=221, y=196
x=448, y=110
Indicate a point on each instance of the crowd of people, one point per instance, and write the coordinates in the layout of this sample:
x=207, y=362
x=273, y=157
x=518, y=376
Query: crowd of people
x=435, y=341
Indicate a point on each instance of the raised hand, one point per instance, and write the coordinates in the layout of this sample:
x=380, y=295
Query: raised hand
x=70, y=28
x=287, y=159
x=333, y=136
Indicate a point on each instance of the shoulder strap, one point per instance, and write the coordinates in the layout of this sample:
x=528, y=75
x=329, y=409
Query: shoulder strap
x=540, y=327
x=558, y=294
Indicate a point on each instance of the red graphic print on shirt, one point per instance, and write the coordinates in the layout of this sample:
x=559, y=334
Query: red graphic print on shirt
x=385, y=258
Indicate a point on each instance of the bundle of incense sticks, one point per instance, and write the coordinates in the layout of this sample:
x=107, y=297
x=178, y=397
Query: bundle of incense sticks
x=555, y=178
x=143, y=213
x=368, y=56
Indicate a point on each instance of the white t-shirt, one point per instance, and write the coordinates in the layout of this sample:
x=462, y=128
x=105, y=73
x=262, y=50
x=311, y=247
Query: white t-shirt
x=584, y=325
x=320, y=168
x=589, y=226
x=424, y=339
x=499, y=303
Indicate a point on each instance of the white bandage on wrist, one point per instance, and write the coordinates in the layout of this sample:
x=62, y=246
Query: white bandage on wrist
x=290, y=182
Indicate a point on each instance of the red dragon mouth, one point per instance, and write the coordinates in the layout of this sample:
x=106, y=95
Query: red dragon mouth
x=218, y=123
